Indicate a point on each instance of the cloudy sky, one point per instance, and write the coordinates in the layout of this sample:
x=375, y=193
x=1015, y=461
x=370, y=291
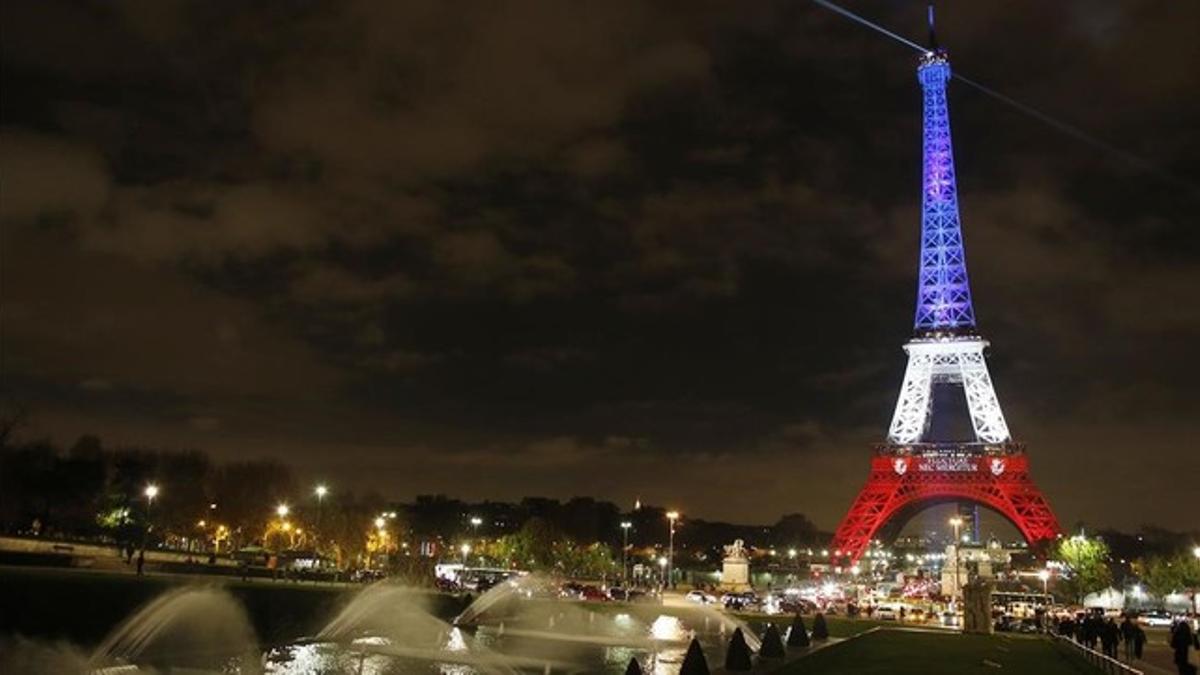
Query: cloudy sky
x=656, y=249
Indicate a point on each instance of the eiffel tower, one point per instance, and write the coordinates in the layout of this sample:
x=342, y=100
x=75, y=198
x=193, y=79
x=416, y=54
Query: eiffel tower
x=917, y=467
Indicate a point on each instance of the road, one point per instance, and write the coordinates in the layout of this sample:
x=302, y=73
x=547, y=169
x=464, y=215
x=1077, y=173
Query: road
x=1157, y=658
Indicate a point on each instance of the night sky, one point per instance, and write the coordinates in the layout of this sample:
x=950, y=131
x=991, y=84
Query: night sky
x=664, y=250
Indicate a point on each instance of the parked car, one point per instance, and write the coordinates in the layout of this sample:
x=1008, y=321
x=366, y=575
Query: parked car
x=1156, y=618
x=700, y=597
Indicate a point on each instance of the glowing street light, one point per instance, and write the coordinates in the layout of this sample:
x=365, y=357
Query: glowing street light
x=1196, y=551
x=320, y=491
x=465, y=548
x=151, y=492
x=956, y=523
x=672, y=516
x=282, y=510
x=625, y=525
x=380, y=522
x=1044, y=575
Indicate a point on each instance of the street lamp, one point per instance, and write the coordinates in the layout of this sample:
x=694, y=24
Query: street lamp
x=320, y=491
x=672, y=516
x=151, y=492
x=1044, y=575
x=465, y=548
x=625, y=525
x=282, y=510
x=1196, y=551
x=956, y=523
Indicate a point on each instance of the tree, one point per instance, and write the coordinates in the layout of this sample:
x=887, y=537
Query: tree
x=1169, y=574
x=793, y=529
x=1086, y=560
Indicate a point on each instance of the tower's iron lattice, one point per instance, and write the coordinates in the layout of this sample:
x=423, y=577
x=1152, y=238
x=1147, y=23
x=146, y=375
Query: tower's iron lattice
x=911, y=469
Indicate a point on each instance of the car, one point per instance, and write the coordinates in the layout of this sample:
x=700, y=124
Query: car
x=887, y=613
x=736, y=601
x=593, y=594
x=1156, y=618
x=700, y=597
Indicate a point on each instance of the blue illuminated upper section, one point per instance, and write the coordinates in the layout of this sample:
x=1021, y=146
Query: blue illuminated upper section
x=943, y=292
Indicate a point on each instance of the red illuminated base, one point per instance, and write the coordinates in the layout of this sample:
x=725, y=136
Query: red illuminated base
x=906, y=478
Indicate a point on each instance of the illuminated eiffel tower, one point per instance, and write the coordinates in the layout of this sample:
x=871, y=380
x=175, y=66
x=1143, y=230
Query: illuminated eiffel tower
x=913, y=470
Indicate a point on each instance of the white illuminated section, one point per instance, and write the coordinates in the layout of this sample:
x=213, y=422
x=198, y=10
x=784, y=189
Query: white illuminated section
x=955, y=360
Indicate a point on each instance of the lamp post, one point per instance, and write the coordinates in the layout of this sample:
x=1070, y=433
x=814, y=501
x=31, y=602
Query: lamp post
x=672, y=516
x=151, y=492
x=625, y=525
x=282, y=510
x=956, y=523
x=320, y=491
x=1044, y=575
x=465, y=548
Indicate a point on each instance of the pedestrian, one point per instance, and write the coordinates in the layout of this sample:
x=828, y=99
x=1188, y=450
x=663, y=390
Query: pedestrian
x=1128, y=631
x=1182, y=639
x=1110, y=635
x=141, y=561
x=1139, y=641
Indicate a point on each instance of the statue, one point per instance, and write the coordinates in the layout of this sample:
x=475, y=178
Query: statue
x=735, y=570
x=736, y=550
x=977, y=606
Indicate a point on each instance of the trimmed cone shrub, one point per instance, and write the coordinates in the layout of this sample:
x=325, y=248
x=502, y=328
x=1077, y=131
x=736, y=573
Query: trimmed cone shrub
x=820, y=630
x=798, y=635
x=772, y=644
x=694, y=663
x=635, y=668
x=737, y=657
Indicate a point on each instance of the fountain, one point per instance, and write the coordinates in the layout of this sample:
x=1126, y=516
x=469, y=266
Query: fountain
x=200, y=629
x=520, y=617
x=389, y=628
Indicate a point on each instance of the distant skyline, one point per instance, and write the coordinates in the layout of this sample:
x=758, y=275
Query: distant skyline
x=633, y=249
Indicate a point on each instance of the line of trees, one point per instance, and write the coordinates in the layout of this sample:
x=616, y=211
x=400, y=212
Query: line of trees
x=88, y=491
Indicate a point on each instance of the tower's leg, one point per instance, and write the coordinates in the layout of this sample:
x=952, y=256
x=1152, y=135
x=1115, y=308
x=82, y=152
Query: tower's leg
x=871, y=509
x=912, y=409
x=986, y=416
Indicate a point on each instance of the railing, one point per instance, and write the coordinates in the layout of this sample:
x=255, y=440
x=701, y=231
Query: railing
x=950, y=449
x=1106, y=664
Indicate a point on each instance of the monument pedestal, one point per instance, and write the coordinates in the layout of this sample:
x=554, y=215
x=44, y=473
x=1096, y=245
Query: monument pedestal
x=735, y=570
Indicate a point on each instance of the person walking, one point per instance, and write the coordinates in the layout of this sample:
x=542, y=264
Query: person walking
x=1182, y=639
x=141, y=561
x=1128, y=631
x=1110, y=635
x=1139, y=641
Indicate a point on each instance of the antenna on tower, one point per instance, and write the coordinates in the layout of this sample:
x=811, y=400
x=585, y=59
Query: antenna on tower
x=933, y=45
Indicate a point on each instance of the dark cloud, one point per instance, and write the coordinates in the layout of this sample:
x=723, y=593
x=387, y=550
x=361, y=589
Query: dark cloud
x=590, y=247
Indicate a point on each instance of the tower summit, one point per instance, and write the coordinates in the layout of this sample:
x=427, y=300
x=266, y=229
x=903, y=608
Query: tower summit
x=943, y=291
x=914, y=468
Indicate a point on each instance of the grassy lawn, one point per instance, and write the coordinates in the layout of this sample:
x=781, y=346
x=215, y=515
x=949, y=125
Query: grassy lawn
x=899, y=653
